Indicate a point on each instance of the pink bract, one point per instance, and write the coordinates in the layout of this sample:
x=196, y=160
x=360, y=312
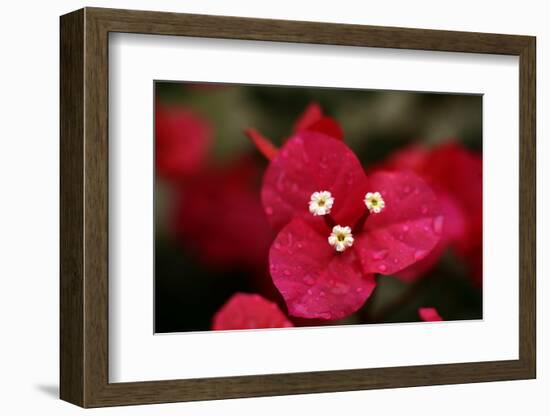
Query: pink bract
x=218, y=213
x=249, y=311
x=315, y=280
x=455, y=173
x=182, y=142
x=312, y=119
x=429, y=314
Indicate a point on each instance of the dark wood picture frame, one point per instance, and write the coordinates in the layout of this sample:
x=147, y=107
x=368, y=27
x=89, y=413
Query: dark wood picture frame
x=84, y=207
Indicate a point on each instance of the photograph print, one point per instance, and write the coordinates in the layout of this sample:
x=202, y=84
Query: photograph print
x=293, y=206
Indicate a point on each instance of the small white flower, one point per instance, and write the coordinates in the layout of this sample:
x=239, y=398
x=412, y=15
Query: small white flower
x=321, y=203
x=374, y=202
x=341, y=238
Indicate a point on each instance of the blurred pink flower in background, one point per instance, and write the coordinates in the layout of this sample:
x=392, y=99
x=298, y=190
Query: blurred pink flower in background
x=249, y=311
x=455, y=173
x=182, y=141
x=219, y=215
x=429, y=314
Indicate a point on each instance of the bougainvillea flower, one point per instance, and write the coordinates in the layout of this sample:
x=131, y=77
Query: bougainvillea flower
x=249, y=311
x=455, y=174
x=429, y=314
x=312, y=119
x=182, y=141
x=219, y=214
x=323, y=262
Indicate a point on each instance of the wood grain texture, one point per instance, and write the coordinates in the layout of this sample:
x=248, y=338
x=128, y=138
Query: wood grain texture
x=84, y=207
x=72, y=215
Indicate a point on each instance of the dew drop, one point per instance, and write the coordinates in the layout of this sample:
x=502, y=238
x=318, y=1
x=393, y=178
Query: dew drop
x=340, y=289
x=309, y=280
x=287, y=272
x=310, y=292
x=299, y=245
x=382, y=268
x=395, y=261
x=277, y=246
x=380, y=254
x=359, y=289
x=269, y=210
x=405, y=228
x=322, y=294
x=438, y=224
x=424, y=209
x=290, y=239
x=407, y=189
x=419, y=254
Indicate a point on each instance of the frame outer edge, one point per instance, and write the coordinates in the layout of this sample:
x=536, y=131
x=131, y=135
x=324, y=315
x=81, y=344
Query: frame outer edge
x=96, y=210
x=84, y=204
x=528, y=209
x=72, y=341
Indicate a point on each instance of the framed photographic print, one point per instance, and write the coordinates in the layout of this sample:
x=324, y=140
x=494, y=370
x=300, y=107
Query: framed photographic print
x=262, y=207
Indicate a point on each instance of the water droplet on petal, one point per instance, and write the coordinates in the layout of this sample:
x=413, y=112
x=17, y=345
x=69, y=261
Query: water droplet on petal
x=395, y=260
x=406, y=189
x=310, y=292
x=287, y=272
x=359, y=289
x=299, y=245
x=277, y=246
x=438, y=224
x=322, y=294
x=269, y=210
x=424, y=209
x=405, y=228
x=382, y=268
x=309, y=280
x=380, y=254
x=340, y=289
x=420, y=254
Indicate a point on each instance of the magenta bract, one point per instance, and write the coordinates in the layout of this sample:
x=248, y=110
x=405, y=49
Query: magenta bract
x=182, y=142
x=314, y=279
x=249, y=311
x=429, y=314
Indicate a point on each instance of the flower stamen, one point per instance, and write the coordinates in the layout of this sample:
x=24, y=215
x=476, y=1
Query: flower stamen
x=321, y=203
x=374, y=202
x=341, y=238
